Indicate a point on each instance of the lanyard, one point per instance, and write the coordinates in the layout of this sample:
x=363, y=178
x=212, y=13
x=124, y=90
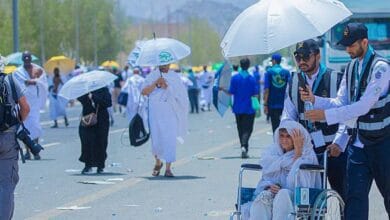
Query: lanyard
x=359, y=75
x=321, y=73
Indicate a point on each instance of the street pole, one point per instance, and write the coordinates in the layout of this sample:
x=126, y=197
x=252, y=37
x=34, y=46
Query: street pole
x=15, y=23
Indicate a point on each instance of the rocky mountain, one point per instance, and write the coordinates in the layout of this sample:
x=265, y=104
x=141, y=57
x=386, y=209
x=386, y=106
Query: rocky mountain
x=219, y=13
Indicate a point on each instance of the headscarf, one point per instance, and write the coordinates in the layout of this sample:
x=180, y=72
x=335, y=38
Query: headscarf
x=280, y=168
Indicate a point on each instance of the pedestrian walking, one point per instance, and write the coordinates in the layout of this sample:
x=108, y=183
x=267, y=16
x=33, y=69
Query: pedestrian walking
x=168, y=112
x=206, y=79
x=193, y=92
x=57, y=104
x=94, y=137
x=243, y=87
x=116, y=90
x=133, y=87
x=32, y=79
x=275, y=83
x=324, y=82
x=362, y=103
x=9, y=146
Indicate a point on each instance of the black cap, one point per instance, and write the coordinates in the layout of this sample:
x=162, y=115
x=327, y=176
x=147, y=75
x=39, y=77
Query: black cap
x=352, y=33
x=26, y=57
x=307, y=47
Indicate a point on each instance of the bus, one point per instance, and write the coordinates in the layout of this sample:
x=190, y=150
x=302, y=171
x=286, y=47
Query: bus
x=375, y=15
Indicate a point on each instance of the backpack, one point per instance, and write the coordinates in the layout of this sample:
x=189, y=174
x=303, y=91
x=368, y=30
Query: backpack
x=6, y=118
x=137, y=132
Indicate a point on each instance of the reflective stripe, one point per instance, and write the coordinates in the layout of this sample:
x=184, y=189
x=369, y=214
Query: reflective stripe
x=329, y=138
x=302, y=117
x=333, y=84
x=381, y=103
x=374, y=126
x=294, y=90
x=349, y=79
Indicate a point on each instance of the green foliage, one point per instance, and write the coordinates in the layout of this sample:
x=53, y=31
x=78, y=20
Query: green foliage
x=48, y=28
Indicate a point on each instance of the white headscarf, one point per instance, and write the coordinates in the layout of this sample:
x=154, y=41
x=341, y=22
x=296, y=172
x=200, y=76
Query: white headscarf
x=280, y=168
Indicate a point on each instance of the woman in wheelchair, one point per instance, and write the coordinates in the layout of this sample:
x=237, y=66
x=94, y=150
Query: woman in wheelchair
x=273, y=196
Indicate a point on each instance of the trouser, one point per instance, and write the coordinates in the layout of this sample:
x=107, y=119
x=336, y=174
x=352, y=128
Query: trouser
x=275, y=115
x=336, y=172
x=9, y=149
x=194, y=100
x=245, y=127
x=364, y=165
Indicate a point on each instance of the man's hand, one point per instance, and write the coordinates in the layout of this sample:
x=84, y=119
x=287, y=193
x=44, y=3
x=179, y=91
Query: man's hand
x=334, y=150
x=306, y=94
x=161, y=83
x=315, y=115
x=298, y=140
x=30, y=82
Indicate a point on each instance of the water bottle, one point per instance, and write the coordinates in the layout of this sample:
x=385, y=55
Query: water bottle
x=308, y=106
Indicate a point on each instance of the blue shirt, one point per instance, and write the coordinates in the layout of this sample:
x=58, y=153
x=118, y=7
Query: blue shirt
x=243, y=86
x=275, y=80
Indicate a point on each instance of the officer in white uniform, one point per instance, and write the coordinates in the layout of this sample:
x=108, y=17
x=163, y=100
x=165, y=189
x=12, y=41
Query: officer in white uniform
x=363, y=103
x=324, y=82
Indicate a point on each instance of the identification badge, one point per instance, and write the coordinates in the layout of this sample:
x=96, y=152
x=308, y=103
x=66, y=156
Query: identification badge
x=318, y=138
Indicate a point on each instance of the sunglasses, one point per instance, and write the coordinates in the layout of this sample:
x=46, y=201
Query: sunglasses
x=304, y=57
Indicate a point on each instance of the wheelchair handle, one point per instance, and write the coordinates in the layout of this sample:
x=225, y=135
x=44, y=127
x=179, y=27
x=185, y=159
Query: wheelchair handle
x=251, y=166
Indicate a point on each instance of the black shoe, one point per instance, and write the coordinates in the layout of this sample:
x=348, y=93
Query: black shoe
x=66, y=121
x=37, y=157
x=244, y=153
x=54, y=126
x=100, y=170
x=86, y=170
x=27, y=156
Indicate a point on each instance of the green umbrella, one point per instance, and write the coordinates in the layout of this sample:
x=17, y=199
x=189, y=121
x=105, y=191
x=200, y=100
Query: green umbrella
x=16, y=59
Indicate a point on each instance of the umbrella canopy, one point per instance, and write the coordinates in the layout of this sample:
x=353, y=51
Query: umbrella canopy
x=15, y=59
x=85, y=83
x=9, y=69
x=134, y=54
x=161, y=51
x=110, y=64
x=270, y=25
x=221, y=100
x=63, y=63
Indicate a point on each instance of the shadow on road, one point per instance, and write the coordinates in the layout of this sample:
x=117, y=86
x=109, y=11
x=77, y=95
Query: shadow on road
x=237, y=157
x=99, y=174
x=184, y=177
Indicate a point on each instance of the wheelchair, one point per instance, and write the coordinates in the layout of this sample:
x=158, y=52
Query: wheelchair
x=309, y=203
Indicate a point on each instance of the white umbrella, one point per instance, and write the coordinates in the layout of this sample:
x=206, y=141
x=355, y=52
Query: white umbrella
x=161, y=51
x=270, y=25
x=85, y=83
x=134, y=54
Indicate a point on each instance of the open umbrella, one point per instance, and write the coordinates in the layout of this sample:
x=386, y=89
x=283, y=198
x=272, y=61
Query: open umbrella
x=161, y=51
x=110, y=64
x=270, y=25
x=134, y=54
x=15, y=59
x=63, y=63
x=85, y=83
x=221, y=100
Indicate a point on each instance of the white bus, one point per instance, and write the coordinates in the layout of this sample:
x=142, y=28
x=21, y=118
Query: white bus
x=375, y=15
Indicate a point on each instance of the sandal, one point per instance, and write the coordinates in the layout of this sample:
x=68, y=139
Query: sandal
x=156, y=169
x=168, y=173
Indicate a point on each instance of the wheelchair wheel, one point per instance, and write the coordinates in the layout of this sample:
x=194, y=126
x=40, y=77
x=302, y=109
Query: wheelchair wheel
x=328, y=206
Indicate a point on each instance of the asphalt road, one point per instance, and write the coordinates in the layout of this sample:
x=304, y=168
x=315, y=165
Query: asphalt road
x=204, y=187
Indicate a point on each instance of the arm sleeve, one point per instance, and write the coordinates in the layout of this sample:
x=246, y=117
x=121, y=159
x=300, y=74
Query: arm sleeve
x=378, y=85
x=232, y=87
x=266, y=80
x=342, y=137
x=289, y=110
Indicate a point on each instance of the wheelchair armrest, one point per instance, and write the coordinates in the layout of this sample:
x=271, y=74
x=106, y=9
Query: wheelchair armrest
x=311, y=167
x=251, y=166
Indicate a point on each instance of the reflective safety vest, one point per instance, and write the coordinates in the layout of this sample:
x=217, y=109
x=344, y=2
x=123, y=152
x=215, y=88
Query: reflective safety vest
x=374, y=126
x=327, y=88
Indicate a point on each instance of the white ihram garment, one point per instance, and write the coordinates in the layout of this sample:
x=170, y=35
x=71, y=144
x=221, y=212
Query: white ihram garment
x=36, y=98
x=133, y=88
x=280, y=168
x=168, y=111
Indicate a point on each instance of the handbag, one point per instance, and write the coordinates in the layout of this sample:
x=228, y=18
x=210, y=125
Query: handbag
x=90, y=119
x=122, y=98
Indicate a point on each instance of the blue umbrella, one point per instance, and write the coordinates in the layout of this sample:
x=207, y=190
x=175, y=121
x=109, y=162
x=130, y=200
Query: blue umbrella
x=16, y=59
x=221, y=100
